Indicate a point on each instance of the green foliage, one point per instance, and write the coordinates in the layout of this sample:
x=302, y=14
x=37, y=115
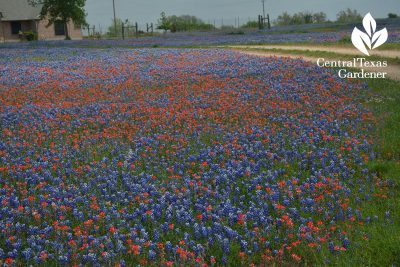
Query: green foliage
x=345, y=40
x=29, y=36
x=283, y=19
x=305, y=17
x=392, y=16
x=114, y=31
x=319, y=17
x=62, y=10
x=163, y=22
x=382, y=247
x=250, y=25
x=348, y=15
x=182, y=23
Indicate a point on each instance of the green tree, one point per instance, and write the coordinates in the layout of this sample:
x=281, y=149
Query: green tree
x=348, y=15
x=392, y=16
x=319, y=17
x=63, y=11
x=119, y=22
x=297, y=19
x=182, y=23
x=283, y=19
x=305, y=17
x=163, y=22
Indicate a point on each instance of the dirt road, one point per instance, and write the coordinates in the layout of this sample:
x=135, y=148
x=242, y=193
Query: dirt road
x=393, y=71
x=333, y=49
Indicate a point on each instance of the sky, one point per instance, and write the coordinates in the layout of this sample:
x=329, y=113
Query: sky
x=100, y=12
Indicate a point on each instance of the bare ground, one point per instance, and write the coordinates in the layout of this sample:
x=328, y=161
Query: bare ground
x=393, y=71
x=333, y=49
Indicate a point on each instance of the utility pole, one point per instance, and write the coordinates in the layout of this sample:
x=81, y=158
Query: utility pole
x=2, y=27
x=115, y=19
x=263, y=3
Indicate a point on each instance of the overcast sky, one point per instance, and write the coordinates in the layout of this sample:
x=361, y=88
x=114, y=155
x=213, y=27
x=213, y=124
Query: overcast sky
x=143, y=11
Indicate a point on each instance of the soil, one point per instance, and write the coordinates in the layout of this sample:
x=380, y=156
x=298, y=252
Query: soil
x=393, y=71
x=333, y=49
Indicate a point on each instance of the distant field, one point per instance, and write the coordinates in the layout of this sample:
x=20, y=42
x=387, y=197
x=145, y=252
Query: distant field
x=280, y=35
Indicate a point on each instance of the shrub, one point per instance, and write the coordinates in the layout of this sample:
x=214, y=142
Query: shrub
x=348, y=15
x=345, y=40
x=30, y=36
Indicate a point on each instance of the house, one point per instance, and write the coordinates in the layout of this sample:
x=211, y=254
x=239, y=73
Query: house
x=19, y=16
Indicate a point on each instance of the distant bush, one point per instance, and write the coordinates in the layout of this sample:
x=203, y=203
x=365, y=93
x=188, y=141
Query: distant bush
x=115, y=29
x=29, y=36
x=250, y=25
x=392, y=16
x=305, y=17
x=345, y=40
x=348, y=15
x=182, y=23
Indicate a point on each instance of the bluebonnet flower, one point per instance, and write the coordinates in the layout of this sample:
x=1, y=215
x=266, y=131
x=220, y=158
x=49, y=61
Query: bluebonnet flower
x=112, y=153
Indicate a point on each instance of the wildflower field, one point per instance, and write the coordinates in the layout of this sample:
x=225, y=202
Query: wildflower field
x=208, y=39
x=189, y=157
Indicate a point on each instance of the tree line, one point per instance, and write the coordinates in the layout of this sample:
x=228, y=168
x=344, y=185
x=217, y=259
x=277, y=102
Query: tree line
x=308, y=17
x=345, y=16
x=182, y=23
x=67, y=10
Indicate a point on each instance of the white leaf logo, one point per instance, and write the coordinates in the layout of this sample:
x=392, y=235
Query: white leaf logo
x=379, y=38
x=371, y=38
x=369, y=24
x=360, y=39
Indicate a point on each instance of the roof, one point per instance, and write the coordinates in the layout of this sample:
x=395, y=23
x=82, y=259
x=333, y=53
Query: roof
x=19, y=10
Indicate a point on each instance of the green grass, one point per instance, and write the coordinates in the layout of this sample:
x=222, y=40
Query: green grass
x=382, y=247
x=387, y=110
x=376, y=243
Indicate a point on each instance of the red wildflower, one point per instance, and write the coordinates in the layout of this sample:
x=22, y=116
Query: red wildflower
x=296, y=258
x=112, y=230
